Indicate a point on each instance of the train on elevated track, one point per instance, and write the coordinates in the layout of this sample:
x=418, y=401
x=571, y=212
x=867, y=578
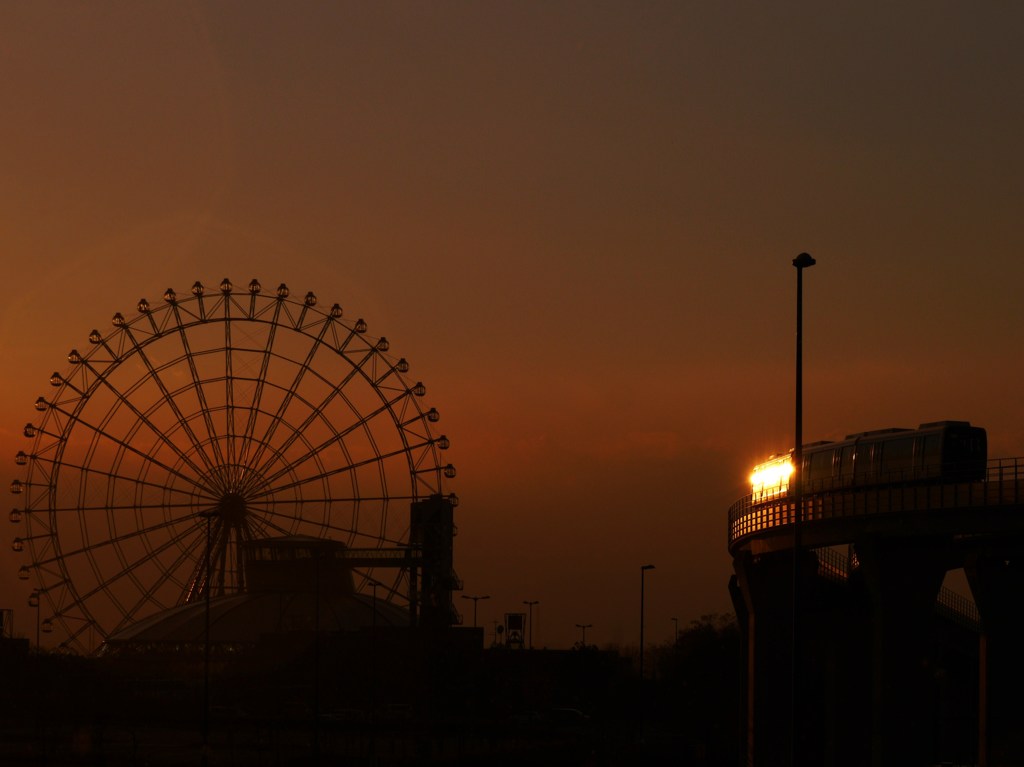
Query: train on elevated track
x=941, y=451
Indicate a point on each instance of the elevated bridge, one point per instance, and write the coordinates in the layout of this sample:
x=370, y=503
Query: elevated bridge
x=828, y=518
x=890, y=668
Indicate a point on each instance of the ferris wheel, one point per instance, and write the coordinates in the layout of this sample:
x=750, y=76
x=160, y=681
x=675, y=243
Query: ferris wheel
x=201, y=423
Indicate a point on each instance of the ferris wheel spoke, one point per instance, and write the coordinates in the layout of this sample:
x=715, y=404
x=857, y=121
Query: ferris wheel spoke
x=377, y=459
x=119, y=507
x=342, y=499
x=270, y=517
x=169, y=399
x=105, y=584
x=336, y=436
x=147, y=595
x=197, y=386
x=290, y=393
x=219, y=555
x=197, y=581
x=327, y=525
x=229, y=387
x=269, y=522
x=114, y=541
x=143, y=418
x=317, y=412
x=100, y=434
x=84, y=472
x=261, y=379
x=88, y=622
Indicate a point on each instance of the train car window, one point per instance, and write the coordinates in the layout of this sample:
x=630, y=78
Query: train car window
x=931, y=455
x=846, y=464
x=964, y=455
x=863, y=468
x=897, y=458
x=820, y=469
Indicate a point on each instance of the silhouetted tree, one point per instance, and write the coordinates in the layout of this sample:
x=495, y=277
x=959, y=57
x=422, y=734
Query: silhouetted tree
x=699, y=689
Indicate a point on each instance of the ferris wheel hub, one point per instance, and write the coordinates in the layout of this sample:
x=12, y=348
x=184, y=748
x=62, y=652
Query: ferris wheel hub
x=232, y=509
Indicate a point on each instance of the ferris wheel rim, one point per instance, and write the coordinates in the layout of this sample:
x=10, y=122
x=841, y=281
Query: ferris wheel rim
x=184, y=473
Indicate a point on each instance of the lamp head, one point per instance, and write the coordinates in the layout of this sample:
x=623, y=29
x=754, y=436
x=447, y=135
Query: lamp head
x=803, y=261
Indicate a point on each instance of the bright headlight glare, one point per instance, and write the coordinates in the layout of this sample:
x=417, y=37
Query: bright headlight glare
x=772, y=476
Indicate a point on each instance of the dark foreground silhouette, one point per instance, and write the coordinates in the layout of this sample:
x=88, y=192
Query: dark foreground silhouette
x=398, y=700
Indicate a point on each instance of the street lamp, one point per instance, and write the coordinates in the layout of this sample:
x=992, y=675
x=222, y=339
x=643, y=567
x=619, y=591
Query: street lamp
x=208, y=516
x=801, y=262
x=475, y=600
x=583, y=627
x=643, y=572
x=530, y=603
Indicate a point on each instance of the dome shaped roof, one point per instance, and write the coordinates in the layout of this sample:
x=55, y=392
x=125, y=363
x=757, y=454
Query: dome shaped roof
x=294, y=584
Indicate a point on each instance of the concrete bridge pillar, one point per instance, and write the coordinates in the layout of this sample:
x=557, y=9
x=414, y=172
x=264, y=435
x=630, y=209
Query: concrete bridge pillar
x=762, y=596
x=762, y=591
x=997, y=584
x=901, y=579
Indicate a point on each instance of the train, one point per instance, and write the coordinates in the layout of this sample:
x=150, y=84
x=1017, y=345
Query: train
x=940, y=451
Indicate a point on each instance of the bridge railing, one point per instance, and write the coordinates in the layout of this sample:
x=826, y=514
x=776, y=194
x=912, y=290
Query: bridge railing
x=1003, y=486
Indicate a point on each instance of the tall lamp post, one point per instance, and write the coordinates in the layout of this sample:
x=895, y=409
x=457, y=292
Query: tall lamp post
x=643, y=572
x=801, y=262
x=208, y=515
x=475, y=600
x=529, y=604
x=583, y=627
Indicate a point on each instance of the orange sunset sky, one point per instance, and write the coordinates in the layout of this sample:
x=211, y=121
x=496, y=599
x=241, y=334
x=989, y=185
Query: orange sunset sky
x=575, y=219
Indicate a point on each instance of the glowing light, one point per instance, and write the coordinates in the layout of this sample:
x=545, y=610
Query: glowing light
x=771, y=478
